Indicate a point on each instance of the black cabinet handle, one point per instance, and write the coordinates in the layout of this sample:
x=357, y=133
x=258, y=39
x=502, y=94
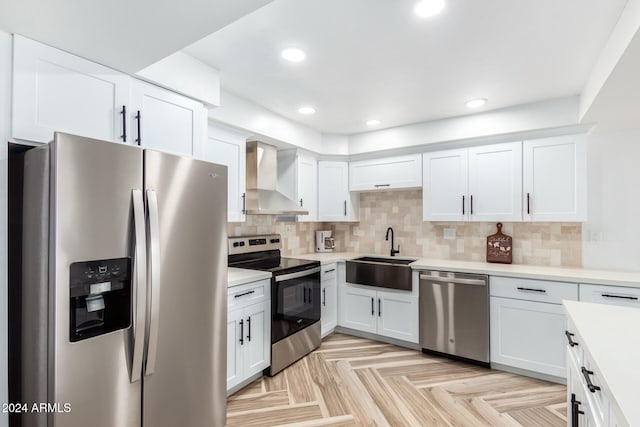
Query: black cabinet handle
x=123, y=112
x=139, y=120
x=324, y=297
x=575, y=411
x=382, y=185
x=300, y=202
x=244, y=203
x=586, y=374
x=249, y=326
x=243, y=294
x=619, y=297
x=241, y=331
x=462, y=205
x=379, y=310
x=329, y=271
x=572, y=343
x=373, y=313
x=345, y=208
x=542, y=291
x=528, y=204
x=471, y=201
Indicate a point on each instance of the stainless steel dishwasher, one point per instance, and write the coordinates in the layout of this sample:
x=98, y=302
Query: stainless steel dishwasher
x=454, y=315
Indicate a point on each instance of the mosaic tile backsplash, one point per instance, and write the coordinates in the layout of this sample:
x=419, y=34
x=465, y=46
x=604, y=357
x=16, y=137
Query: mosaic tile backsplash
x=550, y=244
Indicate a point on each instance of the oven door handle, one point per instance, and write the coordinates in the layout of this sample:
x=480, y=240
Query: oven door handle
x=297, y=274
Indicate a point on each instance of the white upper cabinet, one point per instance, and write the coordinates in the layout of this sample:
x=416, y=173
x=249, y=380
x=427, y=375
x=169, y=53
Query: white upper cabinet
x=474, y=184
x=166, y=121
x=335, y=203
x=227, y=146
x=56, y=91
x=554, y=179
x=386, y=174
x=298, y=180
x=444, y=186
x=495, y=182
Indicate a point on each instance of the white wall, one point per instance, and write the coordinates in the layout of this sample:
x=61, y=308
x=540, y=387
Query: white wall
x=333, y=144
x=612, y=231
x=524, y=118
x=5, y=120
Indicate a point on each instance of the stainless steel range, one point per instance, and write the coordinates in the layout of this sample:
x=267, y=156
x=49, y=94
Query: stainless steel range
x=295, y=296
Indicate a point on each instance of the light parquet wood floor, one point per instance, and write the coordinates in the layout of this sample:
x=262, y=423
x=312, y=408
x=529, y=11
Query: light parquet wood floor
x=352, y=381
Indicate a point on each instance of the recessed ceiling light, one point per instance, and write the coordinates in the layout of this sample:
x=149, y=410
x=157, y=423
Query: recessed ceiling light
x=293, y=55
x=373, y=122
x=427, y=8
x=306, y=110
x=475, y=103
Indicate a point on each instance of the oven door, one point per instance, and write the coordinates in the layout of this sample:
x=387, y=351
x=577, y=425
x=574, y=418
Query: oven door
x=295, y=302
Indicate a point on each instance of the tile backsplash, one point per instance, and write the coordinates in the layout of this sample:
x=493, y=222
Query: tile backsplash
x=534, y=243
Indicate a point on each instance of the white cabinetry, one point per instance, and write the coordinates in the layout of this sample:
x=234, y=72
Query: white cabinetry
x=248, y=331
x=388, y=312
x=166, y=121
x=613, y=295
x=475, y=184
x=329, y=307
x=554, y=179
x=227, y=146
x=335, y=203
x=56, y=91
x=298, y=180
x=386, y=174
x=528, y=323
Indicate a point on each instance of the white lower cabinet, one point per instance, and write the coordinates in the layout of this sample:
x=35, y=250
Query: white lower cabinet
x=248, y=333
x=612, y=295
x=388, y=313
x=329, y=307
x=528, y=324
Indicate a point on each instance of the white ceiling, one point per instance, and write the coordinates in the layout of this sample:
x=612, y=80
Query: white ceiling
x=377, y=59
x=125, y=35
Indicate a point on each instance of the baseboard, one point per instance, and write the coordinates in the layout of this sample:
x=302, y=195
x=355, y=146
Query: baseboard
x=375, y=337
x=528, y=373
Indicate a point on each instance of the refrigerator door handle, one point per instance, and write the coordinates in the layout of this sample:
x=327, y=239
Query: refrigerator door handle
x=140, y=266
x=154, y=279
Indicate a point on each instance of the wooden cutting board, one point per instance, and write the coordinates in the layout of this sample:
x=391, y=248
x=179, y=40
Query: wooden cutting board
x=499, y=247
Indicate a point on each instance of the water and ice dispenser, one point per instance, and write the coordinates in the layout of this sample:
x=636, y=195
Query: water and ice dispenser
x=100, y=297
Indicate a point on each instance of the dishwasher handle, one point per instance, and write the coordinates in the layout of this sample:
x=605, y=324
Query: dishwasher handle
x=461, y=281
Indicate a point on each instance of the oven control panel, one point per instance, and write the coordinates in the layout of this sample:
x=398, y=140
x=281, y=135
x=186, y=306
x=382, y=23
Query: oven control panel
x=248, y=244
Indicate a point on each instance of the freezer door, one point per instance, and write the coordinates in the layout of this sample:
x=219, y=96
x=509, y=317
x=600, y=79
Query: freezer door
x=185, y=381
x=91, y=219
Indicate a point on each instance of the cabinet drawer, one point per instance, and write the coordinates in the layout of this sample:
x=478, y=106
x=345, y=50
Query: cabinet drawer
x=597, y=397
x=613, y=295
x=533, y=290
x=328, y=272
x=250, y=293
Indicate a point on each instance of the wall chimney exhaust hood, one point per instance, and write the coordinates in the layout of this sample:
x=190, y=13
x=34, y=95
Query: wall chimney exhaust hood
x=262, y=197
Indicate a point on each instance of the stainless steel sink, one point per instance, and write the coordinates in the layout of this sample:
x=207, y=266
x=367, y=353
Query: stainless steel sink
x=393, y=273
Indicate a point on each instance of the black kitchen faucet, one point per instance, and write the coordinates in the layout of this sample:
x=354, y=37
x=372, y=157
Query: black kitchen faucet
x=393, y=251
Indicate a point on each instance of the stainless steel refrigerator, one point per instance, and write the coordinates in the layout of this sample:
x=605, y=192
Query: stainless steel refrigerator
x=124, y=287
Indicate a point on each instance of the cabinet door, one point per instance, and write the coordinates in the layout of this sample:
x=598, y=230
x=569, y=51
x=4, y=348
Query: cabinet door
x=397, y=316
x=308, y=187
x=444, y=186
x=387, y=173
x=357, y=308
x=226, y=147
x=495, y=182
x=528, y=335
x=56, y=91
x=166, y=121
x=554, y=179
x=334, y=201
x=234, y=354
x=329, y=305
x=257, y=338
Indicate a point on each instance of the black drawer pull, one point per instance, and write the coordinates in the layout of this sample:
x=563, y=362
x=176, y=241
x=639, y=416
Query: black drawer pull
x=542, y=291
x=329, y=271
x=619, y=297
x=246, y=293
x=572, y=343
x=382, y=185
x=586, y=374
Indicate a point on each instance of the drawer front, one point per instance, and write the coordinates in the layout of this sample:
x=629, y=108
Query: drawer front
x=328, y=272
x=533, y=290
x=597, y=396
x=613, y=295
x=250, y=293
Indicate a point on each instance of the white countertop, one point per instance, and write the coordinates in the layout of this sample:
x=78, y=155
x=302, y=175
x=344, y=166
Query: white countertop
x=562, y=274
x=240, y=276
x=611, y=337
